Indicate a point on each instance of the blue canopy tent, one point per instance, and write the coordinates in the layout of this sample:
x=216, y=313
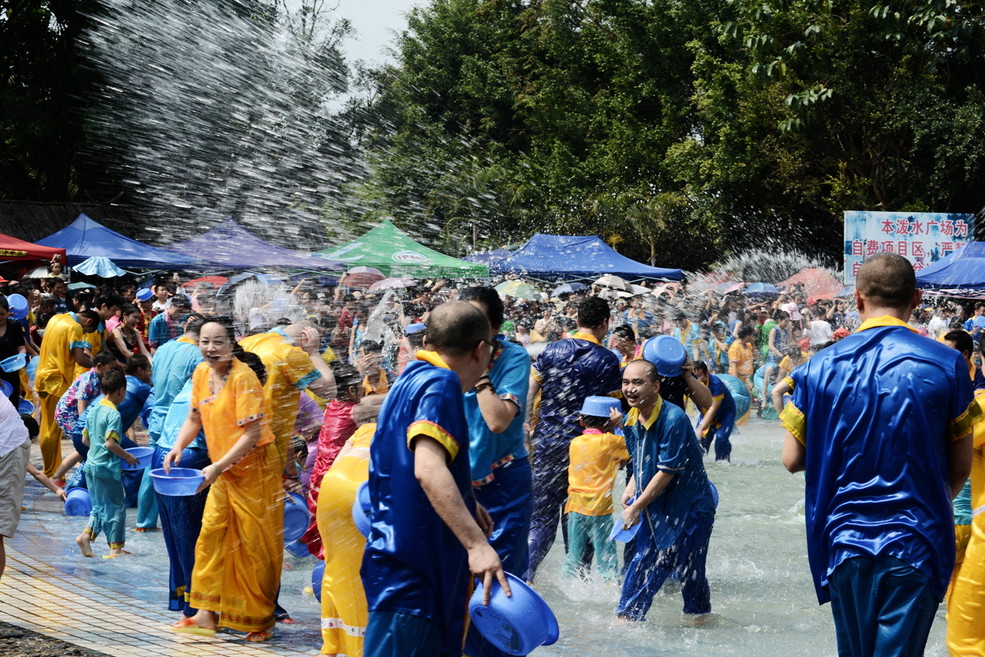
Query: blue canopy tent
x=85, y=238
x=230, y=246
x=567, y=257
x=957, y=273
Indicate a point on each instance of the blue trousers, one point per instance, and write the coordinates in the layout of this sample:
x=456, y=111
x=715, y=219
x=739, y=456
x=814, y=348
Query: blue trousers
x=651, y=566
x=392, y=634
x=550, y=491
x=509, y=500
x=181, y=522
x=882, y=607
x=720, y=436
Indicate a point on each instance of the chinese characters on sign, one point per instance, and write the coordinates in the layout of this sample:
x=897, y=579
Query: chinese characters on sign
x=923, y=238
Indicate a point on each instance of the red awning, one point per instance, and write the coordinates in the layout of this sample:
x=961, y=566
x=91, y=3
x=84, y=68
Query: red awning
x=12, y=248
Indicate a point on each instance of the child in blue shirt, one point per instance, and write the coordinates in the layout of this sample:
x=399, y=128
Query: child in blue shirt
x=102, y=468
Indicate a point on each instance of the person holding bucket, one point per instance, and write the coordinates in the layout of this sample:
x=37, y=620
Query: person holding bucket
x=239, y=551
x=11, y=345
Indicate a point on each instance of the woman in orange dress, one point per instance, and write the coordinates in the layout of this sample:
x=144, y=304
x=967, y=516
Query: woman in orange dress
x=240, y=549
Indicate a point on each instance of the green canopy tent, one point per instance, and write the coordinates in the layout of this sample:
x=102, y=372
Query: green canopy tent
x=390, y=250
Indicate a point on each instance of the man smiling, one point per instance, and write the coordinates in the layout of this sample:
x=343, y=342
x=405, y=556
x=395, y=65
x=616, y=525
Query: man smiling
x=668, y=495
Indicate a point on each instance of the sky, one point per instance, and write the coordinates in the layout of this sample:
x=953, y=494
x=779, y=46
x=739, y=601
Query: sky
x=375, y=22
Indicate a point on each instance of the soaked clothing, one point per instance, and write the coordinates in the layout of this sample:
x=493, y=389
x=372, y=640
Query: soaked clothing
x=103, y=473
x=174, y=364
x=240, y=548
x=677, y=525
x=414, y=565
x=568, y=371
x=86, y=389
x=878, y=488
x=337, y=427
x=720, y=429
x=11, y=342
x=56, y=372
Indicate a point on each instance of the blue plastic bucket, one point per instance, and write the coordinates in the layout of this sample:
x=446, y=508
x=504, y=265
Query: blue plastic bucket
x=14, y=363
x=24, y=407
x=518, y=624
x=180, y=482
x=296, y=517
x=598, y=406
x=666, y=353
x=144, y=457
x=77, y=502
x=19, y=306
x=317, y=575
x=362, y=509
x=625, y=535
x=297, y=549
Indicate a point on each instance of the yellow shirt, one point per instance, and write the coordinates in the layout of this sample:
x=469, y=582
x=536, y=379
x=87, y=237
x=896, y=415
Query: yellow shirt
x=95, y=340
x=740, y=358
x=289, y=370
x=56, y=363
x=595, y=458
x=381, y=388
x=238, y=402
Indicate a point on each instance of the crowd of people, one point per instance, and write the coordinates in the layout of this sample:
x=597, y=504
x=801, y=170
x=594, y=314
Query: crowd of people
x=480, y=424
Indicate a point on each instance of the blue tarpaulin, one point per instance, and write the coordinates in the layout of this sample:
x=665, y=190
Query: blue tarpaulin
x=566, y=257
x=230, y=246
x=85, y=238
x=963, y=269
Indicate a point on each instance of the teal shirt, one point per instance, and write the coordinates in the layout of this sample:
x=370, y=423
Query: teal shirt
x=103, y=423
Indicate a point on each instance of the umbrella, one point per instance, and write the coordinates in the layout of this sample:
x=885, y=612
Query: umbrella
x=100, y=266
x=761, y=290
x=391, y=284
x=614, y=282
x=568, y=288
x=81, y=286
x=817, y=282
x=518, y=290
x=361, y=277
x=639, y=289
x=266, y=279
x=217, y=281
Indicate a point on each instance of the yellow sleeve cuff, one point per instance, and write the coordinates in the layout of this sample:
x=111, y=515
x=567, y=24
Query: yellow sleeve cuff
x=795, y=422
x=432, y=430
x=962, y=425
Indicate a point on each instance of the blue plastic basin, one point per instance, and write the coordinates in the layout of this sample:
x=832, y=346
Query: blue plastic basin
x=518, y=624
x=296, y=517
x=144, y=457
x=77, y=502
x=180, y=482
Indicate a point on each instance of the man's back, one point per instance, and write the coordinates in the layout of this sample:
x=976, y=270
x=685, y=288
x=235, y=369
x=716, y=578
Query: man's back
x=875, y=412
x=570, y=370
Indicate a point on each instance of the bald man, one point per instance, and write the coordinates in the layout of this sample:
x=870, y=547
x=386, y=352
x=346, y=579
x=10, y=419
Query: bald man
x=427, y=532
x=882, y=423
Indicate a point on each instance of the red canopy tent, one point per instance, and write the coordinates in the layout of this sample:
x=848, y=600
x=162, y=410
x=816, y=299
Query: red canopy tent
x=817, y=282
x=12, y=248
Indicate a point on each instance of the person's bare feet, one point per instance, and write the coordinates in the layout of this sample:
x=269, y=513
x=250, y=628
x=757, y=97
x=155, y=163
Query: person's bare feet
x=85, y=545
x=116, y=552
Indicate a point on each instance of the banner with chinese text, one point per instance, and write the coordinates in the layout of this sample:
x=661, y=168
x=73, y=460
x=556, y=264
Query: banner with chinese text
x=922, y=238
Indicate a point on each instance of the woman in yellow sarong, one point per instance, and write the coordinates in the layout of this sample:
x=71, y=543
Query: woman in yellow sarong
x=343, y=601
x=240, y=549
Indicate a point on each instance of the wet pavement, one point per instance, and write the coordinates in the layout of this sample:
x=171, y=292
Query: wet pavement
x=119, y=606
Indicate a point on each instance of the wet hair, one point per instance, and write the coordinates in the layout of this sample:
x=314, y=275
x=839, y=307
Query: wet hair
x=745, y=331
x=593, y=312
x=112, y=381
x=962, y=341
x=700, y=366
x=887, y=280
x=489, y=298
x=4, y=304
x=181, y=302
x=136, y=362
x=31, y=424
x=253, y=361
x=105, y=357
x=109, y=300
x=625, y=331
x=456, y=327
x=780, y=315
x=371, y=347
x=195, y=323
x=128, y=309
x=651, y=369
x=346, y=376
x=593, y=421
x=794, y=351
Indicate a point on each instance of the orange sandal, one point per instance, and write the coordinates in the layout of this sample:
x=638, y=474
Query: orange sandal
x=188, y=626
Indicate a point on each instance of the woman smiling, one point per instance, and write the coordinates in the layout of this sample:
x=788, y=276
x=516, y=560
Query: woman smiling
x=239, y=551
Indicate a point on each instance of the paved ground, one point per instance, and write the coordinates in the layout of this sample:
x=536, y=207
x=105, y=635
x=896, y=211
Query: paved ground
x=119, y=607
